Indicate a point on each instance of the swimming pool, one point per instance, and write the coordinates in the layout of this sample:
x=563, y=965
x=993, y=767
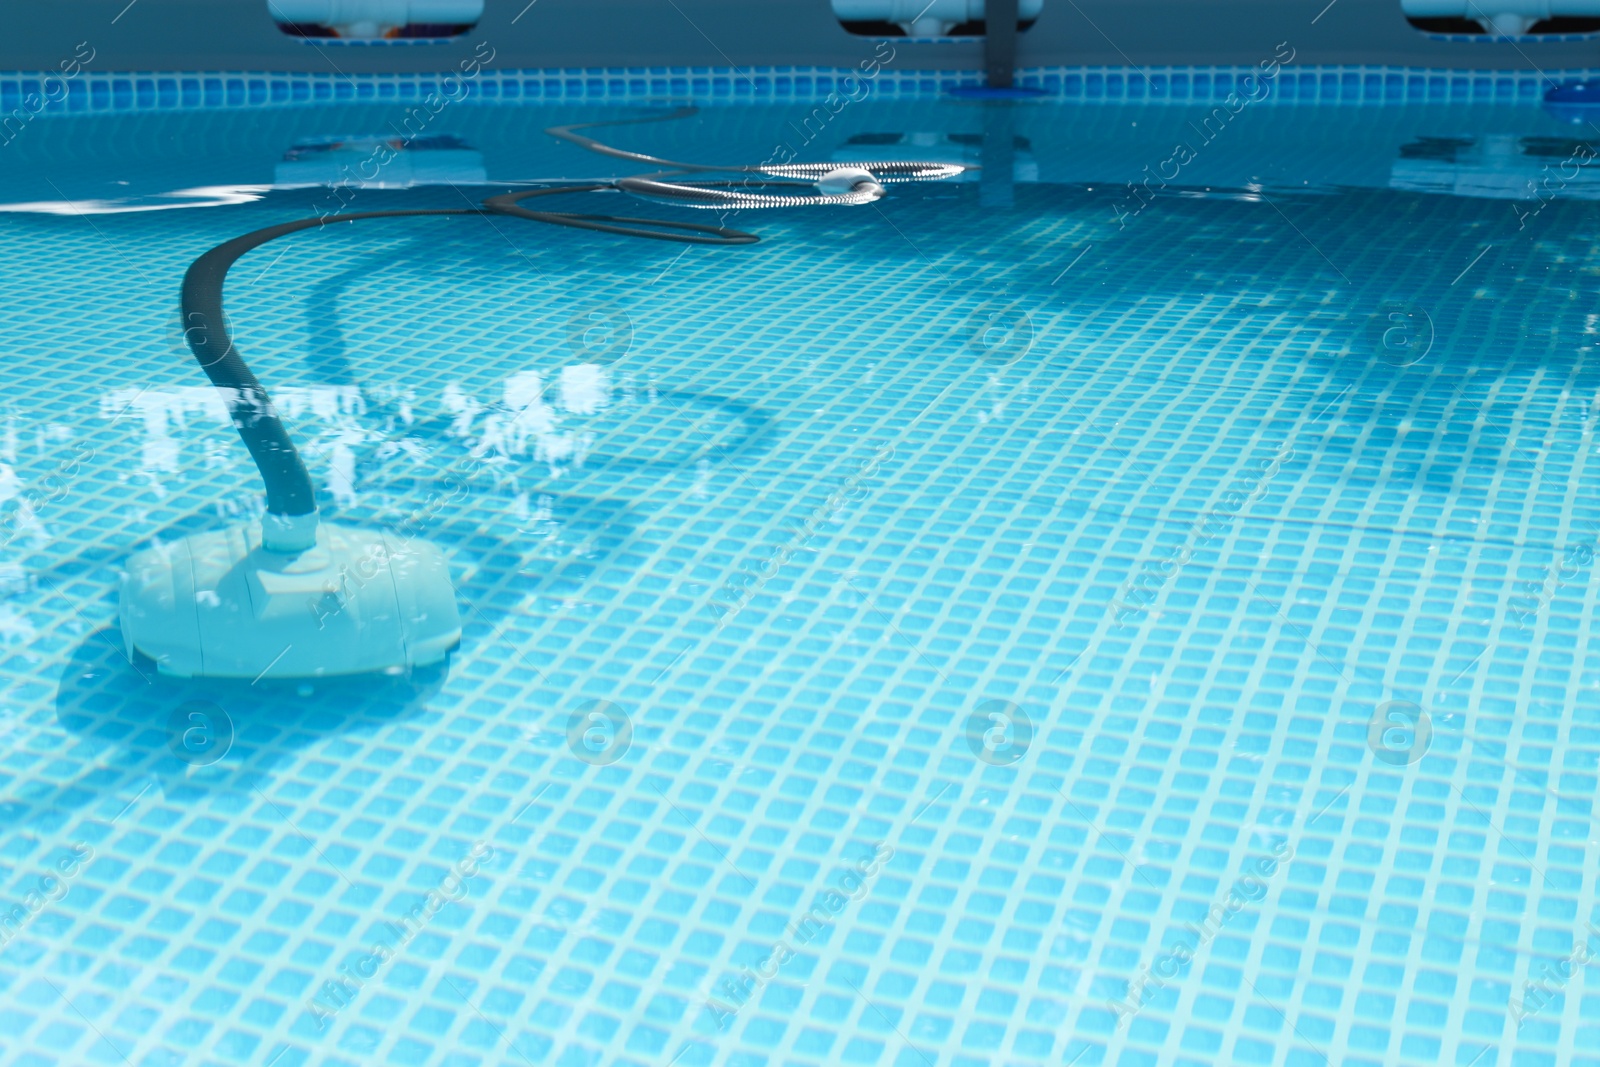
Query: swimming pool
x=1025, y=619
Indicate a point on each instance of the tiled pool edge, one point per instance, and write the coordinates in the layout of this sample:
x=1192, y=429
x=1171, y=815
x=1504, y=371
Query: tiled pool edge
x=40, y=93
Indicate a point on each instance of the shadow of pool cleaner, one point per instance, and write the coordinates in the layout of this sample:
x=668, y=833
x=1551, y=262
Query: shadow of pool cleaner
x=732, y=429
x=140, y=730
x=189, y=738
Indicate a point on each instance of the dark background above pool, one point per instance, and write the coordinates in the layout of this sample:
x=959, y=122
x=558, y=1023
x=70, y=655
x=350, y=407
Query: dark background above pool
x=164, y=35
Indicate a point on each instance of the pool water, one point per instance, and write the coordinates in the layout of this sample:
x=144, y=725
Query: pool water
x=1022, y=620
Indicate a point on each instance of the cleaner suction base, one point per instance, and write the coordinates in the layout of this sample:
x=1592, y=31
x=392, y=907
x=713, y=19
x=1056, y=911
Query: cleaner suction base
x=356, y=601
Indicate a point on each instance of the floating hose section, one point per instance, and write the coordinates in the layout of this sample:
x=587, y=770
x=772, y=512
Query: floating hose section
x=746, y=193
x=290, y=493
x=693, y=233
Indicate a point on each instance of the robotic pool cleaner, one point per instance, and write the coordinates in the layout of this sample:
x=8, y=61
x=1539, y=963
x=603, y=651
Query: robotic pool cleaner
x=296, y=597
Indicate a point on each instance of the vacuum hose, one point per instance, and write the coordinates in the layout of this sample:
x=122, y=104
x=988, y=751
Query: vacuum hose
x=291, y=498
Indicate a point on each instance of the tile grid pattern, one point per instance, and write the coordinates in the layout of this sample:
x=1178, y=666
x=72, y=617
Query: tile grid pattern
x=108, y=92
x=979, y=563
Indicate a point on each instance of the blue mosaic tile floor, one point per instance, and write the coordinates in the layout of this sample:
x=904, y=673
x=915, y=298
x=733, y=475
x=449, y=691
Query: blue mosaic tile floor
x=947, y=632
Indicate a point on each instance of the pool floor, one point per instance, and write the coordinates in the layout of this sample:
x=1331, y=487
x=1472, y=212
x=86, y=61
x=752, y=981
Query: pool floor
x=964, y=629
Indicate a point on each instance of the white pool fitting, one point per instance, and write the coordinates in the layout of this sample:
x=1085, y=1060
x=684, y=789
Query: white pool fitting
x=924, y=18
x=374, y=18
x=1506, y=18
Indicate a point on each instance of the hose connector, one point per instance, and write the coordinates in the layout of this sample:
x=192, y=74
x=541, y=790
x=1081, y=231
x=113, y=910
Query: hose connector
x=288, y=534
x=843, y=181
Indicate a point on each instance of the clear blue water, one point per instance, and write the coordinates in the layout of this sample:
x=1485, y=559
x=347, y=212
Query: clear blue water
x=994, y=634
